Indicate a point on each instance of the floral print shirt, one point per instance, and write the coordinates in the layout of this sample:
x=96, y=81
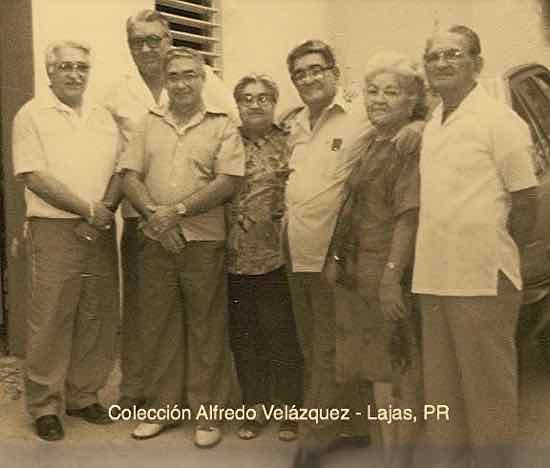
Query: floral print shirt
x=255, y=213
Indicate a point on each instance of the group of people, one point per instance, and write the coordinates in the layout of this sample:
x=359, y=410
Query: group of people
x=316, y=254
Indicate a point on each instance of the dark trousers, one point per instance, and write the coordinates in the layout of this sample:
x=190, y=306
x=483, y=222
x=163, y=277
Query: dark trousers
x=183, y=324
x=263, y=338
x=73, y=314
x=131, y=384
x=313, y=301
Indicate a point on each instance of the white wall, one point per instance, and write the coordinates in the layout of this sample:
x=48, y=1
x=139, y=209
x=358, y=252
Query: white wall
x=101, y=23
x=367, y=26
x=258, y=34
x=512, y=32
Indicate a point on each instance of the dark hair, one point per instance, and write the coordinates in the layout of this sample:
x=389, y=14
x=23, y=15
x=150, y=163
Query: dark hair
x=311, y=47
x=255, y=78
x=470, y=35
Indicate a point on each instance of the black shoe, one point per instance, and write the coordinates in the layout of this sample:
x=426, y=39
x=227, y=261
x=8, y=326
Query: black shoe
x=345, y=441
x=94, y=413
x=49, y=427
x=306, y=458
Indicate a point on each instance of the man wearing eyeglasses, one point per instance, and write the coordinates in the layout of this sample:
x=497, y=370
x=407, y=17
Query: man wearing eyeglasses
x=183, y=163
x=323, y=135
x=65, y=150
x=149, y=38
x=478, y=204
x=129, y=101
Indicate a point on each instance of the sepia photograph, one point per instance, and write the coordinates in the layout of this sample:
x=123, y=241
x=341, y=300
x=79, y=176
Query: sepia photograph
x=275, y=233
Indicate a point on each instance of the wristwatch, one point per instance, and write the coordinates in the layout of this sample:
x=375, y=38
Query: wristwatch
x=181, y=209
x=391, y=266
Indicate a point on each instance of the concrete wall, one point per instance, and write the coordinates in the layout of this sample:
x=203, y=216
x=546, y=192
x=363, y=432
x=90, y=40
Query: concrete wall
x=512, y=32
x=367, y=26
x=258, y=34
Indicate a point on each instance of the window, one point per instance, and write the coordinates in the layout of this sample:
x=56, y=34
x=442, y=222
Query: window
x=195, y=24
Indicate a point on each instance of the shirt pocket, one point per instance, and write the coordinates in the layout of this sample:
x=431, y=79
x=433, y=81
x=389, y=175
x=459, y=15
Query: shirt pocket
x=202, y=157
x=335, y=162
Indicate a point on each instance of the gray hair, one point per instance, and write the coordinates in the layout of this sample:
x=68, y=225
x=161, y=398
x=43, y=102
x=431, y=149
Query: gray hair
x=147, y=16
x=53, y=48
x=185, y=52
x=474, y=43
x=408, y=74
x=265, y=80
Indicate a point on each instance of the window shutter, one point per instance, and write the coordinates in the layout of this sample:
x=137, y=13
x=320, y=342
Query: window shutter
x=195, y=24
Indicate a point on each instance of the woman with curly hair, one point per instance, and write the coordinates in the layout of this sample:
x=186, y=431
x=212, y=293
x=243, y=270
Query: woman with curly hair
x=372, y=249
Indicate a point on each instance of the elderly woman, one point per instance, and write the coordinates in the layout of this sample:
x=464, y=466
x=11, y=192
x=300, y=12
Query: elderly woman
x=373, y=244
x=262, y=329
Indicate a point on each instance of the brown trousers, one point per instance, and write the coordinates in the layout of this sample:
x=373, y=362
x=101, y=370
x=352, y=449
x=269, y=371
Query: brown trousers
x=470, y=365
x=313, y=302
x=183, y=323
x=73, y=315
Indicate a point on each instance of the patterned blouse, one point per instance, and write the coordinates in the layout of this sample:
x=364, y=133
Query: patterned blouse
x=255, y=213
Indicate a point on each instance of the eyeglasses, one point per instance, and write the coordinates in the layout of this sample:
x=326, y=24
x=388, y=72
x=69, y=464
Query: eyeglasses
x=187, y=78
x=68, y=67
x=372, y=92
x=316, y=72
x=153, y=42
x=263, y=100
x=449, y=55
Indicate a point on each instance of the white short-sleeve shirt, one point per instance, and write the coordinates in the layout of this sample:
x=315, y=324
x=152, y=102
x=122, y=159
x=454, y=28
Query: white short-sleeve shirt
x=468, y=167
x=321, y=161
x=80, y=151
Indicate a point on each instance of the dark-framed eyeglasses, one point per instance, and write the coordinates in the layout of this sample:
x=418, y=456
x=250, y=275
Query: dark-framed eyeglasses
x=449, y=55
x=68, y=67
x=153, y=42
x=316, y=72
x=186, y=77
x=248, y=100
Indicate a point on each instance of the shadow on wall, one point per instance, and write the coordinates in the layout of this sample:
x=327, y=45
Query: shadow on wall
x=545, y=13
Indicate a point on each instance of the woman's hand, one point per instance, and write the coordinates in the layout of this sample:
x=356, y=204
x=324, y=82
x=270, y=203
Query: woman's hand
x=332, y=271
x=390, y=294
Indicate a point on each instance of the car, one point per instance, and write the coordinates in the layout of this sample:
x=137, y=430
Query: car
x=526, y=88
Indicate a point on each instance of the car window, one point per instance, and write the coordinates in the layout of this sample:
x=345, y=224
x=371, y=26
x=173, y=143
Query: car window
x=536, y=101
x=543, y=81
x=533, y=105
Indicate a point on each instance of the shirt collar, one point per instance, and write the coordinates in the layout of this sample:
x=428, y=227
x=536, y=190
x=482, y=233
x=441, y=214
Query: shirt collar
x=339, y=102
x=473, y=103
x=50, y=100
x=274, y=131
x=164, y=112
